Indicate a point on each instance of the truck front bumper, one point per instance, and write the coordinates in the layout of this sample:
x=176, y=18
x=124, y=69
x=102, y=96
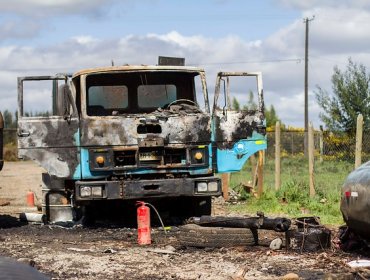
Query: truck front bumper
x=133, y=189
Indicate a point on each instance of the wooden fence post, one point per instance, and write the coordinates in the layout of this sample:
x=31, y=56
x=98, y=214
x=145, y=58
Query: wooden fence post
x=225, y=177
x=277, y=156
x=321, y=135
x=359, y=128
x=260, y=173
x=311, y=159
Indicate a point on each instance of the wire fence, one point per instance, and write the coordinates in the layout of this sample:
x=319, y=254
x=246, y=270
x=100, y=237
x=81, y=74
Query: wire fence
x=328, y=145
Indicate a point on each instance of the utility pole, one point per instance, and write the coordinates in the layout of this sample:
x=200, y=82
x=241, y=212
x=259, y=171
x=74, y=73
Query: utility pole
x=306, y=21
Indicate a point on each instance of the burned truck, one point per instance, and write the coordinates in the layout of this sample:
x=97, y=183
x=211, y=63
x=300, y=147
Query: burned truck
x=127, y=133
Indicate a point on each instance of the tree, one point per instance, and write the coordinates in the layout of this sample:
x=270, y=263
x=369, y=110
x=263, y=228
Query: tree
x=235, y=104
x=271, y=116
x=350, y=97
x=9, y=122
x=251, y=105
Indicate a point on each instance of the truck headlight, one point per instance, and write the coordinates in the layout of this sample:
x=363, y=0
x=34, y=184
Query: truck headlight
x=212, y=187
x=85, y=191
x=97, y=191
x=202, y=187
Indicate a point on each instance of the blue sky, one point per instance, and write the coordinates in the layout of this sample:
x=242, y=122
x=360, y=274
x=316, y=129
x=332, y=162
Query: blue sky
x=250, y=20
x=43, y=37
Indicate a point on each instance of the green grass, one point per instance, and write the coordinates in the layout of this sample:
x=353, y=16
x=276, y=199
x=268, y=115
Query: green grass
x=293, y=199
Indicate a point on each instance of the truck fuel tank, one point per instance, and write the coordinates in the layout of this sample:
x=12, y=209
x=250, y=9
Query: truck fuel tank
x=355, y=202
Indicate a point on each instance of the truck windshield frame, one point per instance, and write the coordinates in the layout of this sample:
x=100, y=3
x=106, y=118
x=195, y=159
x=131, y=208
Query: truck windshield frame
x=137, y=92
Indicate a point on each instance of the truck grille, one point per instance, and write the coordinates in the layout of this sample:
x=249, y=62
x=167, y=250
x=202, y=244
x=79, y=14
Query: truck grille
x=175, y=156
x=152, y=156
x=161, y=156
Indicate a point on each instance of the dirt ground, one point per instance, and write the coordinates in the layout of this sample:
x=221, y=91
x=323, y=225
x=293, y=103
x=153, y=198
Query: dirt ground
x=111, y=252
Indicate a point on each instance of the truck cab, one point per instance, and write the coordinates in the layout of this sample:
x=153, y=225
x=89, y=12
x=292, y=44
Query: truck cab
x=128, y=133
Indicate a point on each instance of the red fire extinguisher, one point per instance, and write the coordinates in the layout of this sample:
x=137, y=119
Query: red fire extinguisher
x=143, y=224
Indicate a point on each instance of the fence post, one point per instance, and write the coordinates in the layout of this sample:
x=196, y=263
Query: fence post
x=277, y=156
x=321, y=136
x=225, y=177
x=311, y=159
x=260, y=173
x=359, y=128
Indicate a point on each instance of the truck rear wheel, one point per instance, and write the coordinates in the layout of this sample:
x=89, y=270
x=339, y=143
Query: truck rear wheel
x=198, y=236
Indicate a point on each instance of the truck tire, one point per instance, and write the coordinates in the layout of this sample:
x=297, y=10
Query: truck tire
x=198, y=236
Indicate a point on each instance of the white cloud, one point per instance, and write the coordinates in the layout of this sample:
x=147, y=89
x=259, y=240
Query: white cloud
x=19, y=28
x=309, y=4
x=85, y=40
x=47, y=8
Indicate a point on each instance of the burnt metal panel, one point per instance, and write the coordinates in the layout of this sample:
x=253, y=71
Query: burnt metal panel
x=59, y=162
x=175, y=61
x=237, y=125
x=123, y=130
x=52, y=142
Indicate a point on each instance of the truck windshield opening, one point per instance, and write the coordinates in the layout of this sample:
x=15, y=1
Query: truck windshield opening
x=130, y=93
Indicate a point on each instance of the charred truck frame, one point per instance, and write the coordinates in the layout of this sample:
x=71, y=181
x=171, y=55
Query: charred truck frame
x=137, y=133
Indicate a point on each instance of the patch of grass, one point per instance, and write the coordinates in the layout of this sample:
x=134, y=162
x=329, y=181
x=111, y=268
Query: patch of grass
x=293, y=199
x=10, y=152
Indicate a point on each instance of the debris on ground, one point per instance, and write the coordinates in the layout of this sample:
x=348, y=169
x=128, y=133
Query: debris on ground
x=276, y=244
x=309, y=235
x=259, y=222
x=359, y=263
x=351, y=241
